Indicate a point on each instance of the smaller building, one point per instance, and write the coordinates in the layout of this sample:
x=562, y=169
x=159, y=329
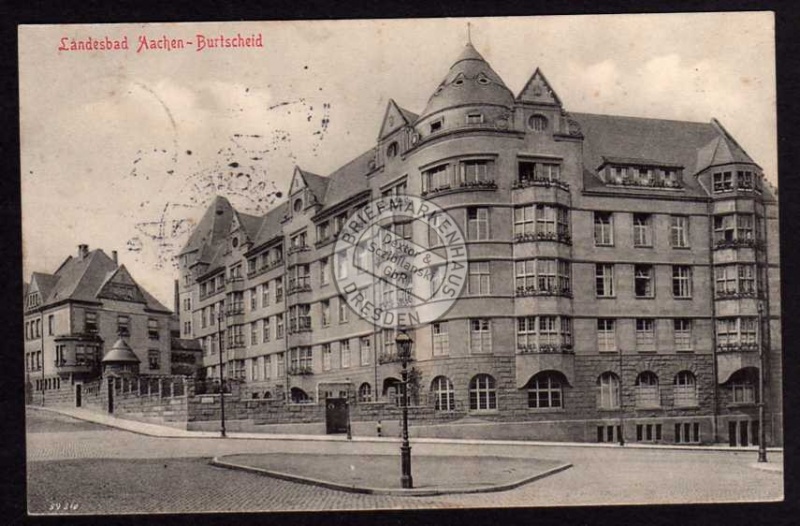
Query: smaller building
x=75, y=316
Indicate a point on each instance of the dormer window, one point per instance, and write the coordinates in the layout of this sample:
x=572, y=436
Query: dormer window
x=723, y=182
x=437, y=125
x=483, y=80
x=298, y=204
x=235, y=242
x=391, y=151
x=537, y=123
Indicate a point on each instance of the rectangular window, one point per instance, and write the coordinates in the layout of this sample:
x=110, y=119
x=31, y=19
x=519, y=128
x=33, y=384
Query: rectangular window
x=344, y=310
x=279, y=325
x=325, y=312
x=477, y=224
x=642, y=230
x=474, y=171
x=50, y=325
x=153, y=359
x=724, y=228
x=323, y=232
x=474, y=118
x=606, y=335
x=152, y=329
x=203, y=317
x=324, y=271
x=326, y=357
x=341, y=265
x=603, y=229
x=480, y=340
x=645, y=335
x=267, y=367
x=254, y=333
x=124, y=329
x=682, y=334
x=723, y=181
x=643, y=281
x=253, y=299
x=90, y=321
x=279, y=290
x=436, y=178
x=441, y=339
x=479, y=278
x=687, y=432
x=679, y=231
x=747, y=283
x=682, y=281
x=344, y=352
x=365, y=350
x=604, y=280
x=266, y=328
x=264, y=295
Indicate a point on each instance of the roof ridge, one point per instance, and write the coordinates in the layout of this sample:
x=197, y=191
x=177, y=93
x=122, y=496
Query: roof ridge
x=638, y=118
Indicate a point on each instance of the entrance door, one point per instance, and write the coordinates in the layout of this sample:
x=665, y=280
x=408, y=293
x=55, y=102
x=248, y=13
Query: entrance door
x=335, y=415
x=743, y=433
x=78, y=394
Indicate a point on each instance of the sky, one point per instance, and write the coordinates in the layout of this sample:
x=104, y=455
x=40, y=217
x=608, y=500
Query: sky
x=122, y=150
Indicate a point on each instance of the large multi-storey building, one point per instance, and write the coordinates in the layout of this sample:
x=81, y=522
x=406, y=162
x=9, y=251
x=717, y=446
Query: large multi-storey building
x=623, y=272
x=74, y=316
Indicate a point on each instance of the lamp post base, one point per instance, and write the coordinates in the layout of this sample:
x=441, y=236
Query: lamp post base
x=406, y=481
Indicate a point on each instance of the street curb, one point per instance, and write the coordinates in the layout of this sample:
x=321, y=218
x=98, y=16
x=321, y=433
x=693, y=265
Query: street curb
x=176, y=433
x=769, y=468
x=216, y=461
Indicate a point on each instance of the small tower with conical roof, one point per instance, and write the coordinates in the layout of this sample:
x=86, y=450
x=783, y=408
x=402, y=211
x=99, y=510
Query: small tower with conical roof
x=120, y=360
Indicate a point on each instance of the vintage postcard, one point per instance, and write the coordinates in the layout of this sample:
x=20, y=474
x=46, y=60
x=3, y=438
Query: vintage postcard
x=391, y=264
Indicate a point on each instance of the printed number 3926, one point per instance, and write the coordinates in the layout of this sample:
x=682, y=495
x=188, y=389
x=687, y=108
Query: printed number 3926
x=64, y=506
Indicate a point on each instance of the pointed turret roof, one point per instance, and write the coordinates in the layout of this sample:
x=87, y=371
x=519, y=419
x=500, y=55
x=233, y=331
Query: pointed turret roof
x=213, y=226
x=723, y=149
x=470, y=81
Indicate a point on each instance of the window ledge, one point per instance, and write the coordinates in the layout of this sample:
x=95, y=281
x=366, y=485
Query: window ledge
x=546, y=410
x=484, y=412
x=684, y=298
x=695, y=406
x=643, y=246
x=606, y=297
x=644, y=297
x=609, y=409
x=603, y=245
x=682, y=248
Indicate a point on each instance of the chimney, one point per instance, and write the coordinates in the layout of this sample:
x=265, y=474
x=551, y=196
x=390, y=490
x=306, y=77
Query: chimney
x=177, y=299
x=83, y=251
x=114, y=257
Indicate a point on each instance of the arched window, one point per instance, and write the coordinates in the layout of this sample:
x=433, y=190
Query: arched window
x=298, y=396
x=545, y=390
x=537, y=123
x=647, y=393
x=365, y=393
x=391, y=150
x=608, y=391
x=743, y=386
x=482, y=393
x=685, y=389
x=444, y=395
x=267, y=394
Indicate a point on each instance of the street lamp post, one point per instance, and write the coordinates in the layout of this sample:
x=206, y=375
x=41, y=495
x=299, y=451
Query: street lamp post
x=621, y=405
x=221, y=378
x=347, y=405
x=403, y=342
x=762, y=428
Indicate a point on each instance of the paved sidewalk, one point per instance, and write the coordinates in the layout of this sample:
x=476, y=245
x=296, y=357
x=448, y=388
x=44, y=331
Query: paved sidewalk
x=163, y=431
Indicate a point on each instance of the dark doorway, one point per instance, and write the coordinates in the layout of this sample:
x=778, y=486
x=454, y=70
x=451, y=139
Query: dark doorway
x=336, y=415
x=78, y=394
x=743, y=433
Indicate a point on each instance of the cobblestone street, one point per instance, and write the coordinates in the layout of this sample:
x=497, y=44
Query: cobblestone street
x=97, y=469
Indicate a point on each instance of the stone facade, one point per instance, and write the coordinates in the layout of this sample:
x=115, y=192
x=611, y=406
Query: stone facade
x=617, y=266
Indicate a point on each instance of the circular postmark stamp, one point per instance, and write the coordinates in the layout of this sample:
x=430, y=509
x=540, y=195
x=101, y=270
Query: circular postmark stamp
x=400, y=262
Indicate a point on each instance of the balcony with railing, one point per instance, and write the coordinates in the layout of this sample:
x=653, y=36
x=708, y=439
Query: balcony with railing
x=522, y=292
x=543, y=181
x=299, y=370
x=463, y=186
x=266, y=267
x=234, y=284
x=299, y=284
x=76, y=366
x=531, y=237
x=299, y=325
x=296, y=249
x=738, y=242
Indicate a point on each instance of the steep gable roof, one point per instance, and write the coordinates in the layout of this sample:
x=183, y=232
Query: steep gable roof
x=80, y=278
x=213, y=226
x=395, y=118
x=538, y=90
x=350, y=179
x=271, y=224
x=665, y=141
